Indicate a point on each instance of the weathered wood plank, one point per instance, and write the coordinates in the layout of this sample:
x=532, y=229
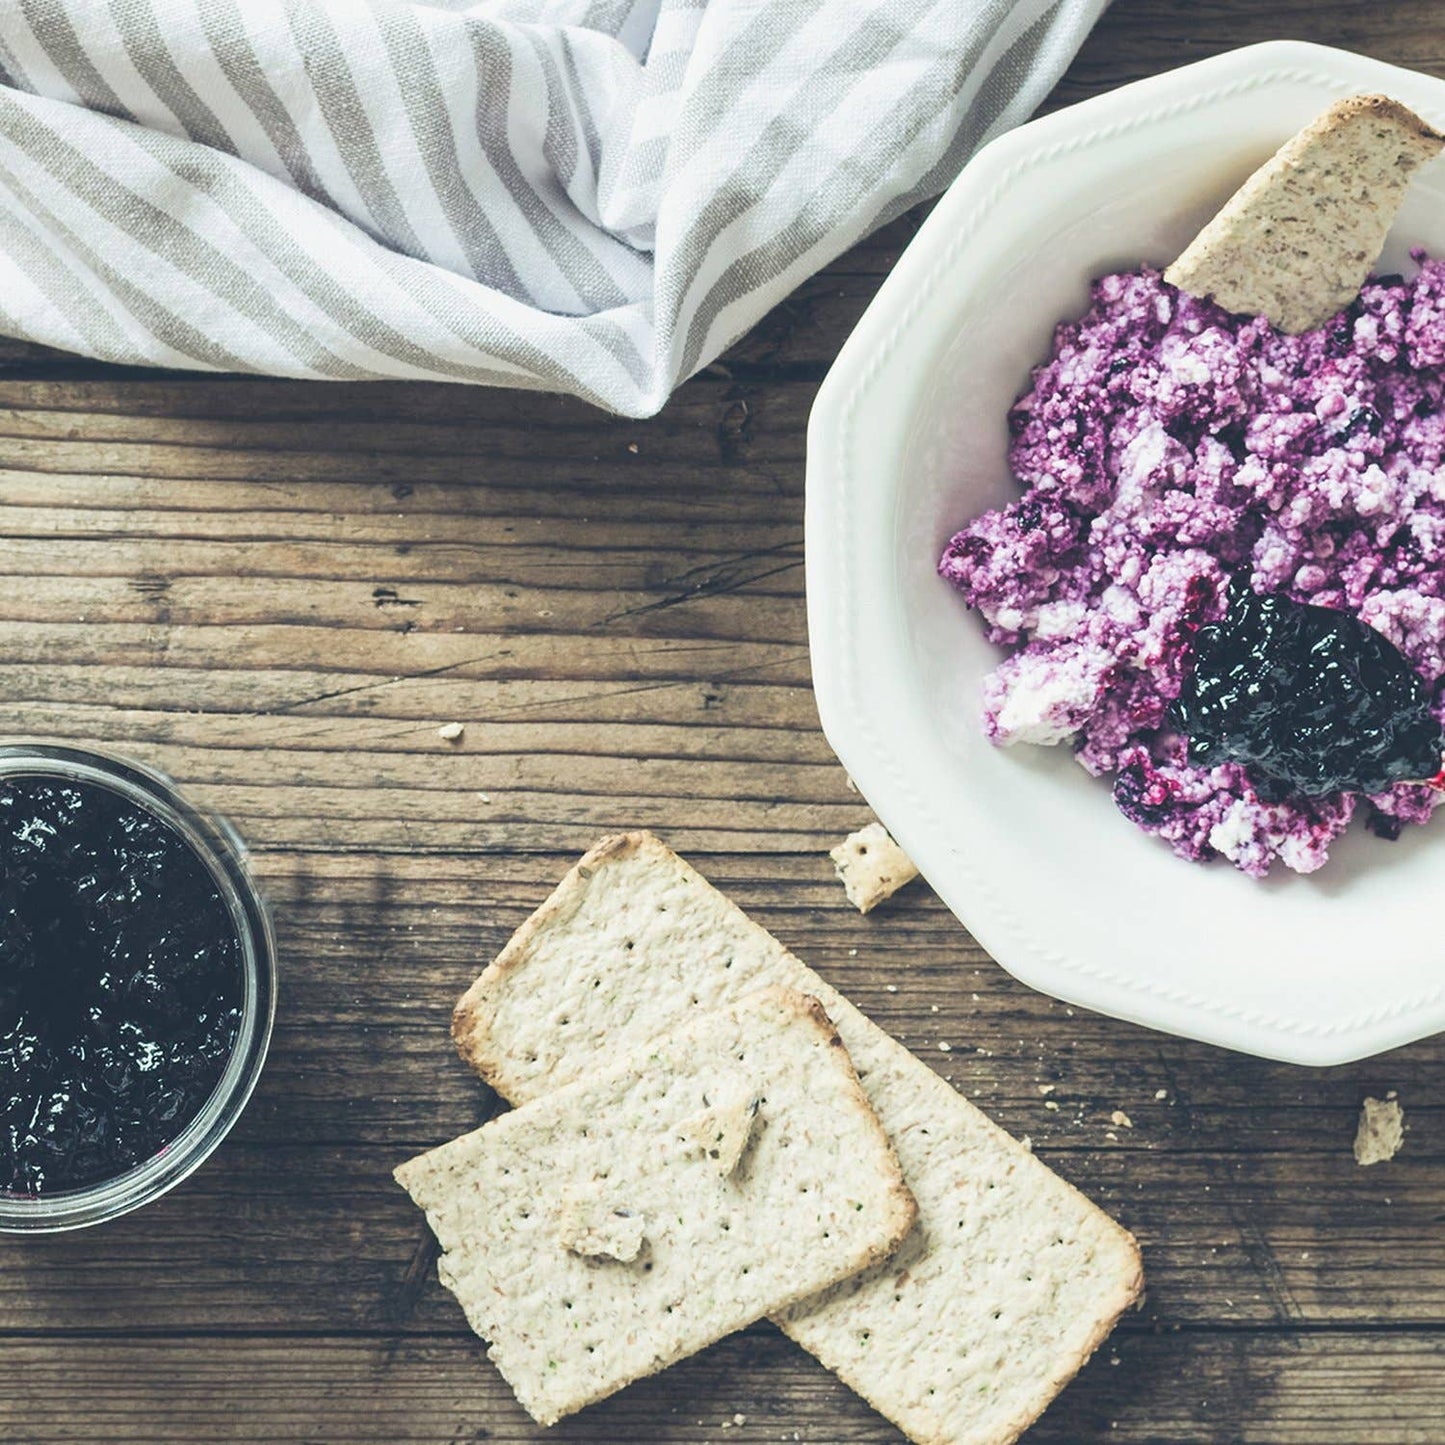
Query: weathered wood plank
x=277, y=1237
x=1186, y=1389
x=292, y=668
x=433, y=434
x=1136, y=38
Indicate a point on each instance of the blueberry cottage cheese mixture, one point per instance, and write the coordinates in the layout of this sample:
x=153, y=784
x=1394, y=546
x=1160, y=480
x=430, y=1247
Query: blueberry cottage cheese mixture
x=1168, y=449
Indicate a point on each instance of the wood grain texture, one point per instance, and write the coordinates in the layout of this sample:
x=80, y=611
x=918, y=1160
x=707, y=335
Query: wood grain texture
x=1205, y=1388
x=279, y=592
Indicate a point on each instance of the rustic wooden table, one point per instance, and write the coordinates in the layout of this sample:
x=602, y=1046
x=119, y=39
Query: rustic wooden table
x=280, y=591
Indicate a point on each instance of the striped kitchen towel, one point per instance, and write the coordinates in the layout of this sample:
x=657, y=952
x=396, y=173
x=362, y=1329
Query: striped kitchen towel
x=588, y=196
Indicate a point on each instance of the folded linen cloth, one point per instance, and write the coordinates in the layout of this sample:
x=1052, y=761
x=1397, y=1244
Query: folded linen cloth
x=588, y=196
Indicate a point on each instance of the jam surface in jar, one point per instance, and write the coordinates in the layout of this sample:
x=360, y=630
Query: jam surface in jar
x=121, y=984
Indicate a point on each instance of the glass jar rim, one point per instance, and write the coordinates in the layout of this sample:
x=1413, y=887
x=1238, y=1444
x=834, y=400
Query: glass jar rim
x=219, y=847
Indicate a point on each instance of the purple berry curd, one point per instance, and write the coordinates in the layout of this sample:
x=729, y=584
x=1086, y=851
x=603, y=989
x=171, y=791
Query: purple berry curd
x=1167, y=449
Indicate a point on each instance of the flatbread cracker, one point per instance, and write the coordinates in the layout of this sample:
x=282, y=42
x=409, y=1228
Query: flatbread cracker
x=592, y=1245
x=1297, y=240
x=1011, y=1279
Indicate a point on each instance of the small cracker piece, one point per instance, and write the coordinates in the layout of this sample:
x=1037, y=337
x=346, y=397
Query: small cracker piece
x=1011, y=1279
x=1381, y=1131
x=871, y=866
x=724, y=1128
x=593, y=1223
x=526, y=1207
x=1296, y=241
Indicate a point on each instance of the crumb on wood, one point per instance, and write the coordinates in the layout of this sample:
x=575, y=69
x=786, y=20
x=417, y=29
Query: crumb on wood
x=872, y=866
x=450, y=732
x=1381, y=1130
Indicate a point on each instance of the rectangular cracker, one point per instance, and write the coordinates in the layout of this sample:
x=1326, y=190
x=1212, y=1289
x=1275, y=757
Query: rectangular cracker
x=591, y=1236
x=1011, y=1279
x=1296, y=241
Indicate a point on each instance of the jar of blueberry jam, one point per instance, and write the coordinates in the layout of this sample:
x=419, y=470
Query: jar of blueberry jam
x=137, y=986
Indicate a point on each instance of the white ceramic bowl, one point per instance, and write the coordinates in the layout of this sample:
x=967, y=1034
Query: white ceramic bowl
x=907, y=442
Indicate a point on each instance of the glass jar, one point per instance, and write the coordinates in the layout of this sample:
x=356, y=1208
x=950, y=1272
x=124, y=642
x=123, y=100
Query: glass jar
x=218, y=847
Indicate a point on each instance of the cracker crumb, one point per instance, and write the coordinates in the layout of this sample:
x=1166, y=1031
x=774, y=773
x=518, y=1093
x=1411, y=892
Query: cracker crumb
x=740, y=1418
x=1381, y=1131
x=1121, y=1120
x=450, y=732
x=597, y=1230
x=1047, y=1089
x=944, y=1047
x=1161, y=1094
x=1052, y=1104
x=484, y=797
x=633, y=448
x=890, y=988
x=871, y=866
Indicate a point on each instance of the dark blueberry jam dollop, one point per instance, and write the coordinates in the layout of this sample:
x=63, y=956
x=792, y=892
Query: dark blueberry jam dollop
x=1311, y=700
x=120, y=984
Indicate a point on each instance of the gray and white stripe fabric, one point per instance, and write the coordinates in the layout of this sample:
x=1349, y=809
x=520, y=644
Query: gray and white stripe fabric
x=587, y=196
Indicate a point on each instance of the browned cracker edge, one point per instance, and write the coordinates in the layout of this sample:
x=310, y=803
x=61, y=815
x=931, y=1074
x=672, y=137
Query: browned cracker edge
x=471, y=1007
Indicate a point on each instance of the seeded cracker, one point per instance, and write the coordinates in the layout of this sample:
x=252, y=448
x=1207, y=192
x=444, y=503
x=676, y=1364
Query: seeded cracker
x=1011, y=1279
x=592, y=1243
x=1299, y=237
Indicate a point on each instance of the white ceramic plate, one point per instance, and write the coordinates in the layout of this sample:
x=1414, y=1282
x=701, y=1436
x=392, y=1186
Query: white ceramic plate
x=907, y=442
